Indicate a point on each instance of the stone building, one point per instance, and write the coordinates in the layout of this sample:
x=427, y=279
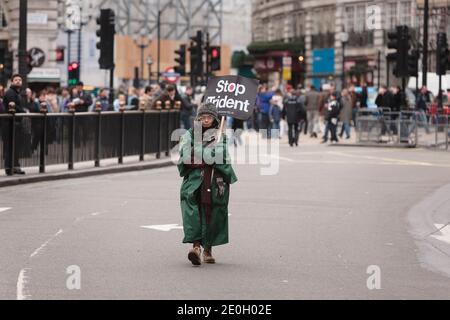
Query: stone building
x=330, y=30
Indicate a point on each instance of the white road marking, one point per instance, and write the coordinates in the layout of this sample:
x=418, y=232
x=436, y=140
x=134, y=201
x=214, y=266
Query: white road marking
x=4, y=209
x=445, y=233
x=397, y=161
x=21, y=281
x=46, y=243
x=164, y=227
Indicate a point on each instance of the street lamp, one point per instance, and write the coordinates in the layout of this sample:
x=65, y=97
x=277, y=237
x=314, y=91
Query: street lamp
x=344, y=39
x=149, y=63
x=142, y=43
x=82, y=23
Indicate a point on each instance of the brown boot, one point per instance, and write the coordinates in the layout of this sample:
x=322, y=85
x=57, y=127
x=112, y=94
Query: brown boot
x=194, y=256
x=207, y=256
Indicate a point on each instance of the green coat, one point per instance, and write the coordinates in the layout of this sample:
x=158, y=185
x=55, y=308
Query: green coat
x=216, y=232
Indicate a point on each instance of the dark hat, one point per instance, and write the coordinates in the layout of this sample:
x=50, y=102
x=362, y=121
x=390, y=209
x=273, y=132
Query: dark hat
x=210, y=109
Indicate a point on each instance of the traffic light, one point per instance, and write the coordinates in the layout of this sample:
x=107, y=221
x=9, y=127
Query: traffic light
x=60, y=54
x=181, y=60
x=196, y=52
x=413, y=63
x=399, y=40
x=106, y=33
x=442, y=54
x=214, y=58
x=74, y=73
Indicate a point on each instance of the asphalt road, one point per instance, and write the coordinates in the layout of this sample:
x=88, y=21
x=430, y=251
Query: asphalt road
x=312, y=231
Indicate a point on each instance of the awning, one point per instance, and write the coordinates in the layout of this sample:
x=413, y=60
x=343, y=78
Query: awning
x=52, y=75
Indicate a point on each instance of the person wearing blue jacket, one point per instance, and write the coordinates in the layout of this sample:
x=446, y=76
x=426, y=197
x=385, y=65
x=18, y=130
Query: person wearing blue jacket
x=264, y=98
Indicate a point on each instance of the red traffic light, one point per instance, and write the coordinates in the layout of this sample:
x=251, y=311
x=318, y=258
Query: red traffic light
x=74, y=65
x=214, y=53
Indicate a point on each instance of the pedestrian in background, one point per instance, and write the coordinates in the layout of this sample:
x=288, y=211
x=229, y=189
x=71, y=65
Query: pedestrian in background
x=312, y=111
x=275, y=115
x=205, y=188
x=12, y=95
x=81, y=98
x=332, y=115
x=187, y=108
x=103, y=99
x=292, y=112
x=422, y=102
x=264, y=98
x=346, y=113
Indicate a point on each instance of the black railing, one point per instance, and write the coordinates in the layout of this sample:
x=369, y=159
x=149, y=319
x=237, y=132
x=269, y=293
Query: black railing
x=41, y=139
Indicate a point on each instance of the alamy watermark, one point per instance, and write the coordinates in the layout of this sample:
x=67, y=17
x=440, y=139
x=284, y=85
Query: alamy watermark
x=374, y=280
x=73, y=282
x=258, y=149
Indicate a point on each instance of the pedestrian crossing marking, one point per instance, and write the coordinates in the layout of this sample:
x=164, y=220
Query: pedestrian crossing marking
x=164, y=227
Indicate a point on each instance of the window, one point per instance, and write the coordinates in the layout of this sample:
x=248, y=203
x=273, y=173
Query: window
x=391, y=19
x=349, y=19
x=360, y=21
x=405, y=13
x=300, y=25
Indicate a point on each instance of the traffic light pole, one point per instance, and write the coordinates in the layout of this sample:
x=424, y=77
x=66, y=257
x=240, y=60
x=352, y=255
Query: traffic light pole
x=208, y=57
x=159, y=46
x=23, y=70
x=440, y=106
x=69, y=36
x=425, y=43
x=111, y=86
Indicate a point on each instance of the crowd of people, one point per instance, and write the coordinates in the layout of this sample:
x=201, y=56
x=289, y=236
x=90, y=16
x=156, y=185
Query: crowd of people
x=314, y=112
x=152, y=97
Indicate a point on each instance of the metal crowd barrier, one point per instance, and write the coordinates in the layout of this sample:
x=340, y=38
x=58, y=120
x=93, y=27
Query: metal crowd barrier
x=382, y=125
x=41, y=139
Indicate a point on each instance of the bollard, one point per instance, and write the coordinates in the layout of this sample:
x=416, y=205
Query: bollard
x=12, y=141
x=142, y=105
x=43, y=149
x=98, y=109
x=122, y=132
x=447, y=133
x=159, y=105
x=142, y=153
x=72, y=136
x=158, y=153
x=167, y=105
x=98, y=106
x=178, y=105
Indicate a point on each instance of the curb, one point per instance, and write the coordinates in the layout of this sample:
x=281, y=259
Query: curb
x=83, y=174
x=384, y=146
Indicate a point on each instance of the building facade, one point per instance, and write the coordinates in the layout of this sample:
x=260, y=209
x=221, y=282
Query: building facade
x=41, y=39
x=337, y=35
x=136, y=23
x=54, y=24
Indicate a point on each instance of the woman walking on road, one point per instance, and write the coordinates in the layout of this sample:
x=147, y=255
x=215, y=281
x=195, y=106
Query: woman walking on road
x=205, y=167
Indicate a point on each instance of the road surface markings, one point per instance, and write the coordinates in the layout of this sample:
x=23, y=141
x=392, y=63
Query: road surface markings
x=392, y=160
x=164, y=227
x=21, y=281
x=445, y=233
x=46, y=244
x=4, y=209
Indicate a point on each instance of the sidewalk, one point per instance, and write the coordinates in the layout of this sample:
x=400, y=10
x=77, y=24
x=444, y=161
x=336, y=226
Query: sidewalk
x=84, y=169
